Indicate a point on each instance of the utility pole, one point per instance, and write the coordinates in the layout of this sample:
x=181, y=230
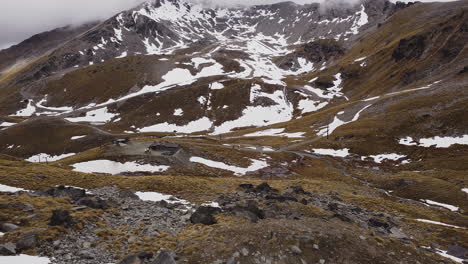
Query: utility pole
x=327, y=130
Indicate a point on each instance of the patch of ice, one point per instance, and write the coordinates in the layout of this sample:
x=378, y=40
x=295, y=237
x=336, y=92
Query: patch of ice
x=370, y=99
x=332, y=152
x=98, y=115
x=123, y=55
x=265, y=133
x=281, y=111
x=24, y=259
x=438, y=223
x=78, y=137
x=447, y=206
x=211, y=204
x=443, y=142
x=407, y=141
x=7, y=124
x=113, y=167
x=158, y=197
x=308, y=106
x=6, y=188
x=201, y=124
x=216, y=86
x=43, y=157
x=256, y=165
x=178, y=112
x=384, y=157
x=444, y=254
x=360, y=59
x=28, y=111
x=438, y=142
x=338, y=122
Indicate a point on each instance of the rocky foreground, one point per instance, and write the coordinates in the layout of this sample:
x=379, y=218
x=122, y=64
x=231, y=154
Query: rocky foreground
x=253, y=224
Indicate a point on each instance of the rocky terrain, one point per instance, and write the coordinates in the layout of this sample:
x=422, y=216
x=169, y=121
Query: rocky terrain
x=176, y=132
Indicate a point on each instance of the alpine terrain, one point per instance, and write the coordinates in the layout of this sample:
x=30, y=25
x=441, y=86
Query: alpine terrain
x=180, y=132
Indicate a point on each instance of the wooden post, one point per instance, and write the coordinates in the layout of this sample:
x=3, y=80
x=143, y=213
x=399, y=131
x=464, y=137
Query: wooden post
x=327, y=130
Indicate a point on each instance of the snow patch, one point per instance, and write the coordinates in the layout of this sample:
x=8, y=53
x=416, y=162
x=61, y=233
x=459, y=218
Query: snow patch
x=201, y=124
x=113, y=167
x=438, y=223
x=239, y=171
x=24, y=259
x=332, y=152
x=9, y=189
x=43, y=157
x=98, y=115
x=447, y=206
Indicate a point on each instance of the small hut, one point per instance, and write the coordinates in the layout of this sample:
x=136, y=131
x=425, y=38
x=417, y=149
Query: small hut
x=118, y=141
x=165, y=147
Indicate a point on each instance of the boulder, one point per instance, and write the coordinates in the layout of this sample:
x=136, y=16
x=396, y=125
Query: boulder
x=62, y=191
x=8, y=249
x=61, y=218
x=28, y=241
x=165, y=257
x=93, y=202
x=251, y=211
x=8, y=227
x=131, y=259
x=205, y=215
x=264, y=187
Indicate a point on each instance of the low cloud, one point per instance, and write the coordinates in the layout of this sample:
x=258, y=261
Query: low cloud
x=20, y=19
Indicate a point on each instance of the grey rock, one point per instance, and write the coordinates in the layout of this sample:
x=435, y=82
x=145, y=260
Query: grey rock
x=165, y=257
x=7, y=227
x=131, y=259
x=8, y=249
x=296, y=250
x=61, y=218
x=87, y=254
x=245, y=252
x=205, y=215
x=231, y=260
x=28, y=241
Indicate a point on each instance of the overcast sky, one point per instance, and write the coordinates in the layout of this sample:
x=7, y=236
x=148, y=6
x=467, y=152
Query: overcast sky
x=20, y=19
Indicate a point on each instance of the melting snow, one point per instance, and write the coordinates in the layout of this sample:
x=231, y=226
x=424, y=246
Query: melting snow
x=123, y=55
x=438, y=223
x=43, y=157
x=24, y=259
x=201, y=124
x=383, y=157
x=28, y=111
x=6, y=188
x=447, y=206
x=113, y=167
x=98, y=115
x=338, y=122
x=332, y=152
x=465, y=190
x=438, y=142
x=216, y=86
x=178, y=112
x=443, y=142
x=256, y=165
x=157, y=197
x=275, y=132
x=282, y=111
x=7, y=124
x=78, y=137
